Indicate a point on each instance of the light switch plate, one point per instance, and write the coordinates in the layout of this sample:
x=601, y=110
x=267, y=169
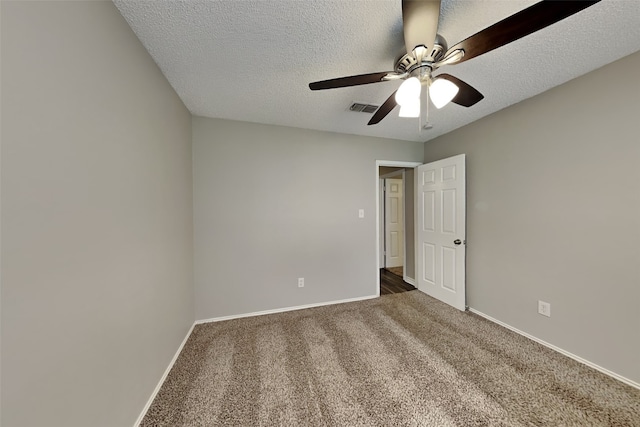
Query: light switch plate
x=544, y=308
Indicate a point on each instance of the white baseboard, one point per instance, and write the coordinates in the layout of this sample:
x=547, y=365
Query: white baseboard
x=282, y=310
x=559, y=350
x=409, y=280
x=163, y=378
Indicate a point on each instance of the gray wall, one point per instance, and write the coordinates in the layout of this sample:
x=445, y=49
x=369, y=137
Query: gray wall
x=291, y=210
x=553, y=213
x=97, y=289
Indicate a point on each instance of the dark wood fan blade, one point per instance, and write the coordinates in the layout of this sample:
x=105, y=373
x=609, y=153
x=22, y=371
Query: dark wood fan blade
x=467, y=95
x=420, y=23
x=361, y=79
x=518, y=25
x=384, y=109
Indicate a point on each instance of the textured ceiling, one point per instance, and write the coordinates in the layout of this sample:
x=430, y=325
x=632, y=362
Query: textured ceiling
x=253, y=60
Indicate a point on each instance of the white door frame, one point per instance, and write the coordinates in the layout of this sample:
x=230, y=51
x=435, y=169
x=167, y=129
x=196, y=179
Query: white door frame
x=393, y=164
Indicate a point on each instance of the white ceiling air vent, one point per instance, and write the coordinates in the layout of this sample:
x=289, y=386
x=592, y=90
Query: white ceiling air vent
x=359, y=107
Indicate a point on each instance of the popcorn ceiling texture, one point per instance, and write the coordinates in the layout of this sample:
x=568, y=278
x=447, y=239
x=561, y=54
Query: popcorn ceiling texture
x=253, y=60
x=399, y=360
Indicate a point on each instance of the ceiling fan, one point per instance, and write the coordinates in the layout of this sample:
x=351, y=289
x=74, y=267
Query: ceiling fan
x=427, y=51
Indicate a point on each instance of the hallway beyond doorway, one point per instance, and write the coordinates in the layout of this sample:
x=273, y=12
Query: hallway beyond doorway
x=393, y=284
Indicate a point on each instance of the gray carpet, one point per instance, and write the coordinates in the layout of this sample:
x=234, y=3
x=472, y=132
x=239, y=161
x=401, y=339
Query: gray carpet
x=399, y=360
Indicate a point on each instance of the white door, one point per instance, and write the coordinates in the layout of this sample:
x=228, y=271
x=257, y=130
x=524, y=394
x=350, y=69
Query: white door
x=394, y=223
x=440, y=230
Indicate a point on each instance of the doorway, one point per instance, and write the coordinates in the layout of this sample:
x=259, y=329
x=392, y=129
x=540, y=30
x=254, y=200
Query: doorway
x=395, y=247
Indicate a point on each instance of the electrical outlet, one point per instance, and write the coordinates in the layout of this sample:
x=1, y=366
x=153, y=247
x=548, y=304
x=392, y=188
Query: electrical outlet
x=301, y=282
x=544, y=308
x=361, y=213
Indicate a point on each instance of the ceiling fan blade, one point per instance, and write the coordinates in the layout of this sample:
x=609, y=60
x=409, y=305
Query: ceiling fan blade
x=384, y=109
x=360, y=79
x=518, y=25
x=420, y=22
x=467, y=95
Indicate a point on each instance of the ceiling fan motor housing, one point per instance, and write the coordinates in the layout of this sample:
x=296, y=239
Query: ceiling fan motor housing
x=408, y=63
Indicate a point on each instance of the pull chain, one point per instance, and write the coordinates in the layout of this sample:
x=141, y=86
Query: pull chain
x=424, y=100
x=426, y=116
x=425, y=76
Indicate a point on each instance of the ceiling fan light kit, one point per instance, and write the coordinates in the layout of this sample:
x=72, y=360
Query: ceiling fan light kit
x=410, y=109
x=427, y=51
x=408, y=91
x=442, y=91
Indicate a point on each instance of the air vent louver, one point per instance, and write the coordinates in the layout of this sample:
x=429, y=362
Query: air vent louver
x=363, y=108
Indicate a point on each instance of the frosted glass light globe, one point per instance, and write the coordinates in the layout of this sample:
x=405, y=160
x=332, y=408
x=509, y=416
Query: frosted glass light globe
x=441, y=92
x=408, y=91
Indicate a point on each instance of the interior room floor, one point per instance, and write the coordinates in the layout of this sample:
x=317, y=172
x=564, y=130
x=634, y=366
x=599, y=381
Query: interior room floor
x=391, y=283
x=400, y=360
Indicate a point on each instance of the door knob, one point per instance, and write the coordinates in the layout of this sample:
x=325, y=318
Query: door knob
x=457, y=241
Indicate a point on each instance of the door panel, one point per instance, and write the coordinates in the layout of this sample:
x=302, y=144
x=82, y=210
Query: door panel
x=440, y=223
x=449, y=211
x=429, y=263
x=394, y=223
x=449, y=269
x=429, y=217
